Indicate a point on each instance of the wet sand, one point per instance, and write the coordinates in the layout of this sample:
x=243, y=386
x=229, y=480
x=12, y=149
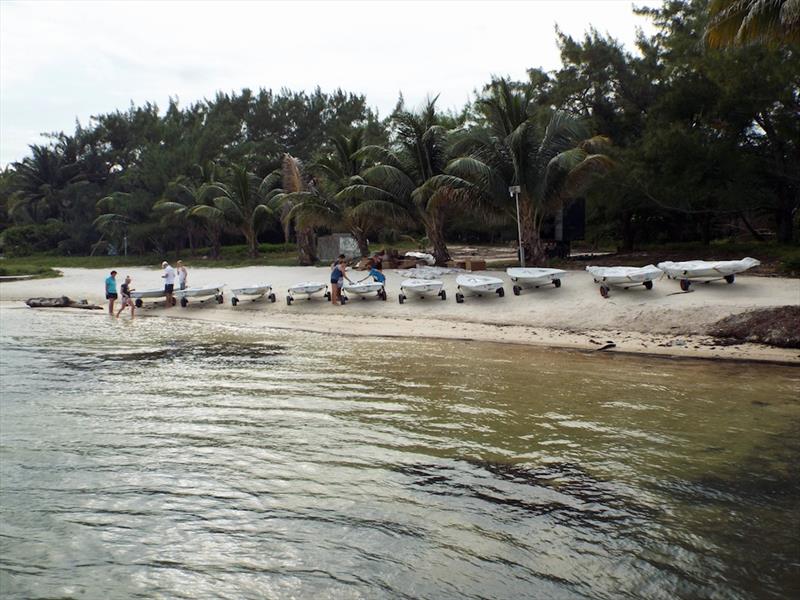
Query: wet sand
x=662, y=321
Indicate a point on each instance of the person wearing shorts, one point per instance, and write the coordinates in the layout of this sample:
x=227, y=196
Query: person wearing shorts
x=111, y=291
x=125, y=290
x=338, y=275
x=169, y=282
x=183, y=275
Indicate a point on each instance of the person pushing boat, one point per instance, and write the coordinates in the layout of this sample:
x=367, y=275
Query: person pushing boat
x=338, y=275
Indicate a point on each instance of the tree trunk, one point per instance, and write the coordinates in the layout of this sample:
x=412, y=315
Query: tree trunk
x=628, y=232
x=361, y=240
x=531, y=224
x=306, y=247
x=252, y=241
x=784, y=225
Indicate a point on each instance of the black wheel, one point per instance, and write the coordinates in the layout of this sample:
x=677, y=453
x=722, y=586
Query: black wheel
x=685, y=283
x=289, y=300
x=648, y=285
x=138, y=303
x=730, y=278
x=345, y=300
x=604, y=291
x=516, y=289
x=220, y=299
x=459, y=297
x=184, y=302
x=174, y=301
x=401, y=298
x=501, y=292
x=557, y=283
x=327, y=296
x=234, y=301
x=272, y=297
x=383, y=295
x=443, y=295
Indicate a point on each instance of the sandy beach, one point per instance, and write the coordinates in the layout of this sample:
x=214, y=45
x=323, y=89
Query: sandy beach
x=662, y=321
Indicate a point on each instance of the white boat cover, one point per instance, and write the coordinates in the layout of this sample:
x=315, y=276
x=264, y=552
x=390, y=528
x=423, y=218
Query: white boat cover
x=479, y=283
x=200, y=291
x=421, y=286
x=154, y=293
x=253, y=290
x=423, y=256
x=625, y=274
x=306, y=287
x=428, y=272
x=363, y=287
x=534, y=274
x=707, y=268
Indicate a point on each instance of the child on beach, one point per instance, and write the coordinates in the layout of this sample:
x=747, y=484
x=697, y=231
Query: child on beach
x=183, y=276
x=126, y=290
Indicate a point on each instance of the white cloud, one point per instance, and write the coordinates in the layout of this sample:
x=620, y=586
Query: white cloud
x=65, y=60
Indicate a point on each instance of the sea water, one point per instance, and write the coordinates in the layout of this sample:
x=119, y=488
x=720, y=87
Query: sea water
x=183, y=459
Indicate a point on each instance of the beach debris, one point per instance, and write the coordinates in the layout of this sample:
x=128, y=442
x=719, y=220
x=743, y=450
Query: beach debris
x=778, y=326
x=60, y=302
x=607, y=346
x=426, y=272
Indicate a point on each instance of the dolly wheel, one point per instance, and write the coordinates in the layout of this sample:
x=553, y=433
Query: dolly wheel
x=289, y=300
x=184, y=302
x=138, y=303
x=173, y=300
x=557, y=283
x=401, y=298
x=345, y=300
x=604, y=291
x=327, y=296
x=220, y=299
x=234, y=301
x=685, y=283
x=443, y=295
x=383, y=295
x=516, y=289
x=272, y=297
x=730, y=278
x=501, y=292
x=648, y=285
x=459, y=297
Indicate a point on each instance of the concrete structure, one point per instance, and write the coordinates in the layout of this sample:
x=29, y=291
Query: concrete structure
x=331, y=246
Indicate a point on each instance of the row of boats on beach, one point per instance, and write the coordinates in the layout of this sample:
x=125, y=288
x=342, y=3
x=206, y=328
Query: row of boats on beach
x=469, y=284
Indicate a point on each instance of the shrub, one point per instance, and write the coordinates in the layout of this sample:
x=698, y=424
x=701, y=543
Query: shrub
x=23, y=240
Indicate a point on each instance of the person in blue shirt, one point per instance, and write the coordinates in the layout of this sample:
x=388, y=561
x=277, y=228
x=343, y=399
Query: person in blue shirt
x=111, y=291
x=376, y=274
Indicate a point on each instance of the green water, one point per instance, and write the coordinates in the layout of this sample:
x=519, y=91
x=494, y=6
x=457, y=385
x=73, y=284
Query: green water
x=170, y=458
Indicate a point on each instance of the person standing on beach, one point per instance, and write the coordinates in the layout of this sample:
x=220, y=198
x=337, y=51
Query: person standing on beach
x=111, y=291
x=125, y=290
x=183, y=276
x=338, y=275
x=169, y=282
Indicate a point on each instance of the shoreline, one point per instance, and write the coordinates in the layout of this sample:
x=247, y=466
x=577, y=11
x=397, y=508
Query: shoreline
x=657, y=323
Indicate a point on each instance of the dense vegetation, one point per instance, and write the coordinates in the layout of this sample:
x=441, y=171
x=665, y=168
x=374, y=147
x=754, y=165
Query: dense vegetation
x=694, y=137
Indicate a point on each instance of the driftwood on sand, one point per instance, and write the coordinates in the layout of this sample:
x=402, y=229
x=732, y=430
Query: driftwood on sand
x=61, y=302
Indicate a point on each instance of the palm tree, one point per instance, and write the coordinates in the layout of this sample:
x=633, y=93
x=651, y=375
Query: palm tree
x=240, y=202
x=548, y=166
x=321, y=206
x=742, y=22
x=302, y=203
x=182, y=196
x=399, y=185
x=40, y=181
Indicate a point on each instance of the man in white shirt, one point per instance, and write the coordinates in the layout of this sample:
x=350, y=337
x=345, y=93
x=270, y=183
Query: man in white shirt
x=169, y=282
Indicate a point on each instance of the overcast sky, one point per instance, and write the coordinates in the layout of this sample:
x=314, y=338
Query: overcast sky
x=65, y=60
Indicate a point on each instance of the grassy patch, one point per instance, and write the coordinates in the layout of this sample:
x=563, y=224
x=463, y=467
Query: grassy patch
x=38, y=272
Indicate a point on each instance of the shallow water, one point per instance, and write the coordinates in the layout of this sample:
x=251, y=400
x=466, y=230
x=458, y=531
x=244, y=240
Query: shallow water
x=180, y=459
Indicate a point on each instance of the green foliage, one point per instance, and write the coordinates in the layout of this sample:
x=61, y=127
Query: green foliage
x=22, y=240
x=705, y=144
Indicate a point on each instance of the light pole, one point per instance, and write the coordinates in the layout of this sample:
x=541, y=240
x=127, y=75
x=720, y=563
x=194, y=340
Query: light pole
x=514, y=191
